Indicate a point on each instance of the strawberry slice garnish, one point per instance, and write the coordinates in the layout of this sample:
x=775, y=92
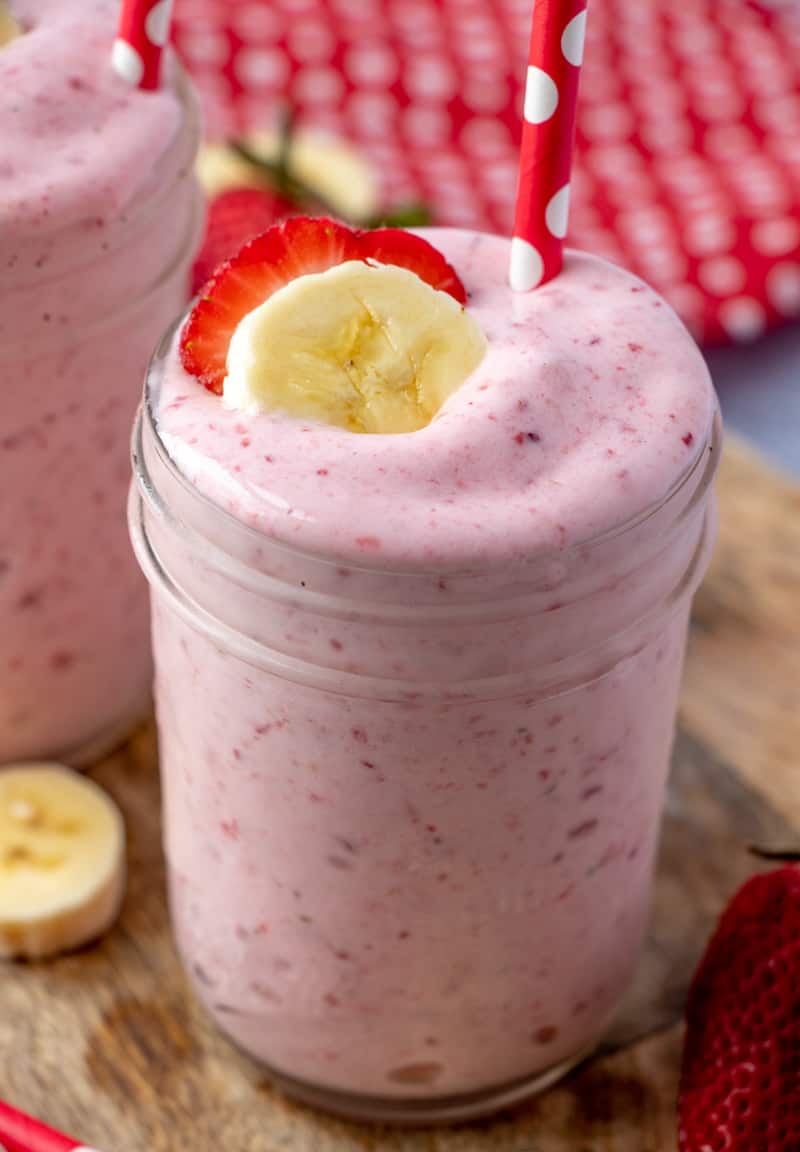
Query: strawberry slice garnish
x=234, y=217
x=740, y=1084
x=396, y=246
x=296, y=247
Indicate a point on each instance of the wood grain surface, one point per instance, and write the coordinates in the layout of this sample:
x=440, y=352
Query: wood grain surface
x=110, y=1046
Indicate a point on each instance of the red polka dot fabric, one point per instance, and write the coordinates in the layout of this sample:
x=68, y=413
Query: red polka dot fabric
x=687, y=165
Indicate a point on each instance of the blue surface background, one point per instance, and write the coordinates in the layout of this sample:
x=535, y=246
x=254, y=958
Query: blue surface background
x=759, y=390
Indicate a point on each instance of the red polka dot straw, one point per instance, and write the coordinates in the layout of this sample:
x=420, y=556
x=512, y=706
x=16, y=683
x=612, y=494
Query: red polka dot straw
x=141, y=35
x=548, y=135
x=21, y=1133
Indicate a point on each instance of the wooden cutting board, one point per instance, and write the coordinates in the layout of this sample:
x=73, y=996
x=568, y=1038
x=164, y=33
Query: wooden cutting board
x=110, y=1046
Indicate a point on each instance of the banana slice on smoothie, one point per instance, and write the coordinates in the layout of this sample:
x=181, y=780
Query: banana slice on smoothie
x=62, y=860
x=367, y=347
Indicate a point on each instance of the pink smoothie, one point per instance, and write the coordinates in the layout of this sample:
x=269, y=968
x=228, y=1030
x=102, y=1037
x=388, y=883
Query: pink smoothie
x=415, y=735
x=98, y=217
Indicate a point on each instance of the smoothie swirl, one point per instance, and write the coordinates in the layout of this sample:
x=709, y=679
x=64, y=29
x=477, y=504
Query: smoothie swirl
x=90, y=169
x=566, y=430
x=60, y=99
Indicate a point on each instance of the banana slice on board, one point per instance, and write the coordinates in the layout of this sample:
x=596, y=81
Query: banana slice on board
x=370, y=348
x=62, y=860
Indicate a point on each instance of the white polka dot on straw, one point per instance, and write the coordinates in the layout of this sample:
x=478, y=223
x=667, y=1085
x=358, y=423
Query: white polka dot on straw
x=541, y=96
x=527, y=266
x=127, y=62
x=142, y=34
x=157, y=23
x=556, y=213
x=572, y=39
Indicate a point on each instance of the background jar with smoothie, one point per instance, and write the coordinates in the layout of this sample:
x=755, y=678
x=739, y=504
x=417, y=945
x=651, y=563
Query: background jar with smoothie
x=99, y=218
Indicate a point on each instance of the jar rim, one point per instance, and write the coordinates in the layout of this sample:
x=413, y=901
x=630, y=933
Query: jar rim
x=552, y=678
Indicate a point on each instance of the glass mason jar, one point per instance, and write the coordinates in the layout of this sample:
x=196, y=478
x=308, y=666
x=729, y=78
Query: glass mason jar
x=81, y=307
x=410, y=839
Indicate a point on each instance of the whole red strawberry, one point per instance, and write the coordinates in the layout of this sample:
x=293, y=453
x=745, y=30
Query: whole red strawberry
x=740, y=1083
x=234, y=217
